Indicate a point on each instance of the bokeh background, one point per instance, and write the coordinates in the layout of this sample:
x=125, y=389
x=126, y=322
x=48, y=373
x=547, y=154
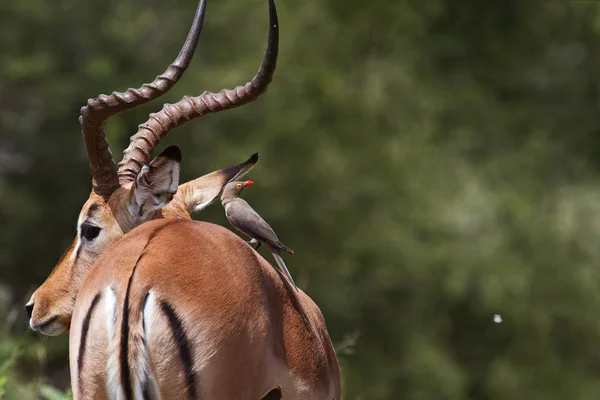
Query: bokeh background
x=432, y=163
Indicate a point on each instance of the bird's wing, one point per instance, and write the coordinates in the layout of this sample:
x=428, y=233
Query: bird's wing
x=243, y=217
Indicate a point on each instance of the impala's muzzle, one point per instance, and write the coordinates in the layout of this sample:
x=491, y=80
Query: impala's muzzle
x=44, y=321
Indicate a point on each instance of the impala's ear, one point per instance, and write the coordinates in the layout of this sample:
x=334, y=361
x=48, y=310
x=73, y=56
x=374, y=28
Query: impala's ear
x=157, y=183
x=201, y=192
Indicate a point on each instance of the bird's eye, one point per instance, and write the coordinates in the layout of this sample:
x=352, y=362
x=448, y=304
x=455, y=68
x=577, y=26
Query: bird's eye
x=239, y=185
x=89, y=232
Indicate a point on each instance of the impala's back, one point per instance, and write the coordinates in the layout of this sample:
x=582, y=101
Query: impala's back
x=187, y=310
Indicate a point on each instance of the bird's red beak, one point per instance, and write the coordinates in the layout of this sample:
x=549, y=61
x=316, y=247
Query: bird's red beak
x=248, y=183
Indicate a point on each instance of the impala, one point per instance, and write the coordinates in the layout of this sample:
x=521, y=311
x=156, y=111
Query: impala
x=163, y=307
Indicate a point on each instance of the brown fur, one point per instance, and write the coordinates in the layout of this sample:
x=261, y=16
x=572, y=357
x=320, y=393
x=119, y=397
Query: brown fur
x=248, y=329
x=54, y=299
x=265, y=334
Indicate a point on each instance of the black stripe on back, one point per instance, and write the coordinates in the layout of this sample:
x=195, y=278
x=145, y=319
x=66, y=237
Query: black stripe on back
x=274, y=394
x=146, y=392
x=84, y=331
x=183, y=345
x=123, y=356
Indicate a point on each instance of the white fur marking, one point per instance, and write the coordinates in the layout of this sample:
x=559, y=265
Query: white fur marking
x=112, y=368
x=78, y=244
x=147, y=315
x=203, y=205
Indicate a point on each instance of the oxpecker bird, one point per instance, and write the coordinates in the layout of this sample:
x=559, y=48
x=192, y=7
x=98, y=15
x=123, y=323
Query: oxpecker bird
x=247, y=221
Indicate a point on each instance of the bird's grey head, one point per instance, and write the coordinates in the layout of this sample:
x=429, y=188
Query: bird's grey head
x=233, y=189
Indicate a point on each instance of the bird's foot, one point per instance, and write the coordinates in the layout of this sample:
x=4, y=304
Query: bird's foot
x=253, y=242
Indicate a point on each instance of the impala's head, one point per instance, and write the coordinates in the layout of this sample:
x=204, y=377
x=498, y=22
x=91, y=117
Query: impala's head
x=138, y=190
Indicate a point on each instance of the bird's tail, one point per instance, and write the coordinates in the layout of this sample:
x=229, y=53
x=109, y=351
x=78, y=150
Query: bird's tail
x=283, y=247
x=282, y=267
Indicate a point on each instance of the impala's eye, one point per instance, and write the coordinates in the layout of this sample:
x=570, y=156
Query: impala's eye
x=89, y=232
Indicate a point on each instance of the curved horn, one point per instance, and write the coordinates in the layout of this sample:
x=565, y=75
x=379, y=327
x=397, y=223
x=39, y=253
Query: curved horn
x=97, y=110
x=158, y=126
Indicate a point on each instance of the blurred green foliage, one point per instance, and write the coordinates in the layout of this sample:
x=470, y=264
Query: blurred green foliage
x=432, y=163
x=22, y=360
